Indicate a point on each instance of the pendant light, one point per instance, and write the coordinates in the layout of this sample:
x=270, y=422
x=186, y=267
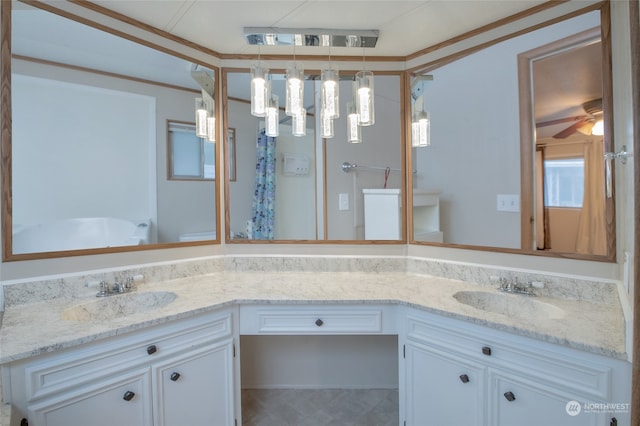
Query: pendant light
x=326, y=125
x=420, y=118
x=363, y=94
x=364, y=98
x=260, y=91
x=420, y=129
x=272, y=117
x=330, y=100
x=294, y=91
x=205, y=118
x=354, y=132
x=299, y=123
x=201, y=118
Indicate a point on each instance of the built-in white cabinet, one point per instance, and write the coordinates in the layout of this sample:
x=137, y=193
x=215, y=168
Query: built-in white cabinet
x=443, y=388
x=172, y=375
x=123, y=400
x=451, y=372
x=382, y=214
x=197, y=387
x=461, y=373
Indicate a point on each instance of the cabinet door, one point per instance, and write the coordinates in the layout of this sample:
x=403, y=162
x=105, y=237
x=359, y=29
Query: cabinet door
x=518, y=401
x=196, y=388
x=442, y=390
x=124, y=400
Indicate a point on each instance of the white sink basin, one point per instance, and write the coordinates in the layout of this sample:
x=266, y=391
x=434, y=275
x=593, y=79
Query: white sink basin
x=117, y=306
x=510, y=305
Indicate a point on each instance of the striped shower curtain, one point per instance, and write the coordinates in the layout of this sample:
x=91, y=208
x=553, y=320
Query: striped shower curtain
x=262, y=210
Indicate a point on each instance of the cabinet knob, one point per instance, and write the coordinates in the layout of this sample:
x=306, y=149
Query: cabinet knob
x=174, y=376
x=510, y=396
x=152, y=349
x=464, y=378
x=486, y=350
x=319, y=322
x=128, y=395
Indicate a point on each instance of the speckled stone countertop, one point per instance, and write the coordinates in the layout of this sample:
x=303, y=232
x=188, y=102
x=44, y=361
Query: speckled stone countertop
x=30, y=329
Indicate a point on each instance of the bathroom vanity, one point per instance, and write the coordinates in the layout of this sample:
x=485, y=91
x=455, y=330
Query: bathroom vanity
x=180, y=363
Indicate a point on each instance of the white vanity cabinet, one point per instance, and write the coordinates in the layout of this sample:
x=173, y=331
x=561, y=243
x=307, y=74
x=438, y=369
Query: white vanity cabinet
x=458, y=373
x=175, y=374
x=443, y=388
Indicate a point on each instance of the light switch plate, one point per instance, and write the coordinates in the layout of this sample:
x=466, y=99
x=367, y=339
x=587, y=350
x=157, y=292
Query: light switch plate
x=508, y=202
x=343, y=201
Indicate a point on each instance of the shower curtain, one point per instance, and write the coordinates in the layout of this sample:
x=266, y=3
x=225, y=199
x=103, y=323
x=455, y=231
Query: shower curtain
x=592, y=228
x=262, y=209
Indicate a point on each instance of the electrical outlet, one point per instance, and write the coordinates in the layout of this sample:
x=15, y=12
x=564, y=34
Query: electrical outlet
x=343, y=201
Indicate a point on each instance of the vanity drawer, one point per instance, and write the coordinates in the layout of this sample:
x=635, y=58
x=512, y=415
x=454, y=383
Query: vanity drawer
x=313, y=319
x=63, y=370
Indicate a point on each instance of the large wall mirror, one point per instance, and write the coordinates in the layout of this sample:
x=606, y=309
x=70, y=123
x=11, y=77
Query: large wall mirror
x=97, y=121
x=514, y=164
x=306, y=188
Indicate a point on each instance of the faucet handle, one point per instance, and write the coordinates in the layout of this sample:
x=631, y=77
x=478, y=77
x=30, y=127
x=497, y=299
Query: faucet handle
x=104, y=289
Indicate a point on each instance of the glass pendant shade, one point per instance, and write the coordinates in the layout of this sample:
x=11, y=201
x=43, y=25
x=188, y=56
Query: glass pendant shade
x=294, y=91
x=272, y=118
x=326, y=125
x=330, y=102
x=354, y=132
x=201, y=118
x=259, y=91
x=420, y=130
x=211, y=128
x=299, y=123
x=363, y=93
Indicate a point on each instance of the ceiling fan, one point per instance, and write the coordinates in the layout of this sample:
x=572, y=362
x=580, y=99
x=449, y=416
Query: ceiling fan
x=590, y=124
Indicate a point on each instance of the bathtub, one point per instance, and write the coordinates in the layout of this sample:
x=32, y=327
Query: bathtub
x=80, y=233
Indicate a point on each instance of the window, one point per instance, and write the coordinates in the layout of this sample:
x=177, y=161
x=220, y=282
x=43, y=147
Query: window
x=564, y=182
x=190, y=157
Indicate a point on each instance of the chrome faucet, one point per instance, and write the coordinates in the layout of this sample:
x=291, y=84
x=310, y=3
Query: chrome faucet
x=107, y=289
x=513, y=287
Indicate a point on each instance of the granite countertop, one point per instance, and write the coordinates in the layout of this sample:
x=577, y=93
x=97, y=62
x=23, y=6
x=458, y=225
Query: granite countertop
x=30, y=329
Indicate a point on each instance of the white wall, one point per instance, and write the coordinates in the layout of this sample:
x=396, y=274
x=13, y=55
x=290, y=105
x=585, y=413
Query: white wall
x=475, y=151
x=365, y=362
x=68, y=159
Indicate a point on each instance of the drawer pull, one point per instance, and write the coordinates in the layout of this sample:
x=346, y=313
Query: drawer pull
x=174, y=376
x=128, y=395
x=486, y=350
x=152, y=349
x=319, y=322
x=464, y=378
x=510, y=396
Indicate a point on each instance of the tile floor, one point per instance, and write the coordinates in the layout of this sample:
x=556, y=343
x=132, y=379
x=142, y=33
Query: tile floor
x=316, y=407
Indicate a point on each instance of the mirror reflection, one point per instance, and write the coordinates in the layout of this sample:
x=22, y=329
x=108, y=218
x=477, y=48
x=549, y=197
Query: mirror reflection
x=570, y=196
x=294, y=188
x=470, y=189
x=91, y=161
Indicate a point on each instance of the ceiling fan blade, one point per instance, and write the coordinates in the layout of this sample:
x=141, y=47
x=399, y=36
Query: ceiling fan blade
x=561, y=121
x=570, y=130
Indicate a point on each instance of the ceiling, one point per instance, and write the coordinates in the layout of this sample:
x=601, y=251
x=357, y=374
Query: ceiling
x=405, y=27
